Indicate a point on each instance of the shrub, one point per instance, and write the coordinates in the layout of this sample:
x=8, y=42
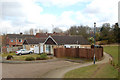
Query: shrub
x=38, y=58
x=43, y=56
x=9, y=57
x=50, y=57
x=10, y=52
x=103, y=42
x=117, y=66
x=113, y=64
x=30, y=59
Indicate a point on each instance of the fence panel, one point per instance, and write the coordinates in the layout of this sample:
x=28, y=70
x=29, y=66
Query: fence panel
x=78, y=52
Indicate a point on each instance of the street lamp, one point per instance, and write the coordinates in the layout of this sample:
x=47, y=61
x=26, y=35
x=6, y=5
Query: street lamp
x=94, y=40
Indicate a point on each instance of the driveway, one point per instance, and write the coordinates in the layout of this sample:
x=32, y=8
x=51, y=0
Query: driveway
x=54, y=69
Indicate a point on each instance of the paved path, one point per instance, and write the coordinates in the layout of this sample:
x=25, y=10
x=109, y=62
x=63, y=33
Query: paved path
x=59, y=73
x=55, y=69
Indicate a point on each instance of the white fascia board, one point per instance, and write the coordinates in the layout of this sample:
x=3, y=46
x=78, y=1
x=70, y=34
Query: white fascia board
x=51, y=38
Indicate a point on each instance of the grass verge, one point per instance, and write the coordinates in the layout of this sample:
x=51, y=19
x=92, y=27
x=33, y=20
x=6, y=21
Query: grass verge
x=97, y=71
x=113, y=51
x=6, y=54
x=93, y=71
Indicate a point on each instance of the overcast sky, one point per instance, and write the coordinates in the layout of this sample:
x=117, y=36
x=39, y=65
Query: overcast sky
x=20, y=15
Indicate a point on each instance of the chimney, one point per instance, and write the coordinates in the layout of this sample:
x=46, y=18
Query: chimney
x=46, y=33
x=21, y=33
x=54, y=32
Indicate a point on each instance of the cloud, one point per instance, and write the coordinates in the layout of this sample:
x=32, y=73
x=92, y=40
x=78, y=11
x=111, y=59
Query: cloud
x=29, y=15
x=16, y=14
x=66, y=18
x=99, y=11
x=20, y=15
x=61, y=3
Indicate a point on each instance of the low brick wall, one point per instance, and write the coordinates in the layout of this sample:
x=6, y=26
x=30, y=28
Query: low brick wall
x=78, y=52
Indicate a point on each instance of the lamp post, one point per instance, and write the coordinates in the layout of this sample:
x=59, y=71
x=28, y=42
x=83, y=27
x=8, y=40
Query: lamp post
x=94, y=40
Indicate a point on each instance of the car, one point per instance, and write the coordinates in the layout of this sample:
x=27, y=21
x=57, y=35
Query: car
x=23, y=51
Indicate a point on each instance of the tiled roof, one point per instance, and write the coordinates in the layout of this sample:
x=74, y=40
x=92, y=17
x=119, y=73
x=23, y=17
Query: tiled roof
x=19, y=36
x=45, y=35
x=68, y=39
x=60, y=40
x=34, y=40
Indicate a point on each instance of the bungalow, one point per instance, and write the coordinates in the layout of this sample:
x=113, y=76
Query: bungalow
x=66, y=41
x=47, y=45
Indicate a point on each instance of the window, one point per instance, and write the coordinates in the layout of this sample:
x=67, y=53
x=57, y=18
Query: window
x=47, y=48
x=20, y=40
x=23, y=50
x=11, y=40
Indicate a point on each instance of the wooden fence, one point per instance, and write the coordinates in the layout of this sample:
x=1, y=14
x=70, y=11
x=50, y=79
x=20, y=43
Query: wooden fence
x=78, y=52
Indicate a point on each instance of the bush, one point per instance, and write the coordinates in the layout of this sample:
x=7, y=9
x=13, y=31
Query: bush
x=30, y=59
x=50, y=57
x=43, y=56
x=38, y=58
x=9, y=57
x=117, y=66
x=113, y=64
x=103, y=42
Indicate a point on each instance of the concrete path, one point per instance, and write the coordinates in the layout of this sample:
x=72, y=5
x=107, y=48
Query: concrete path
x=59, y=73
x=55, y=69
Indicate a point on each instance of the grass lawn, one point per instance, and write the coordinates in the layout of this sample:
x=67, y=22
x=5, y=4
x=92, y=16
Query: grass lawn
x=22, y=57
x=113, y=51
x=97, y=71
x=6, y=54
x=93, y=71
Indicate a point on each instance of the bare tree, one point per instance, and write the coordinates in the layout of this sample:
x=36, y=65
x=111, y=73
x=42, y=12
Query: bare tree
x=44, y=30
x=57, y=30
x=4, y=40
x=26, y=32
x=35, y=30
x=40, y=31
x=31, y=31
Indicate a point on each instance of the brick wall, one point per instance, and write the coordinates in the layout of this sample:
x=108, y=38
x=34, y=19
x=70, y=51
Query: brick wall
x=78, y=52
x=15, y=42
